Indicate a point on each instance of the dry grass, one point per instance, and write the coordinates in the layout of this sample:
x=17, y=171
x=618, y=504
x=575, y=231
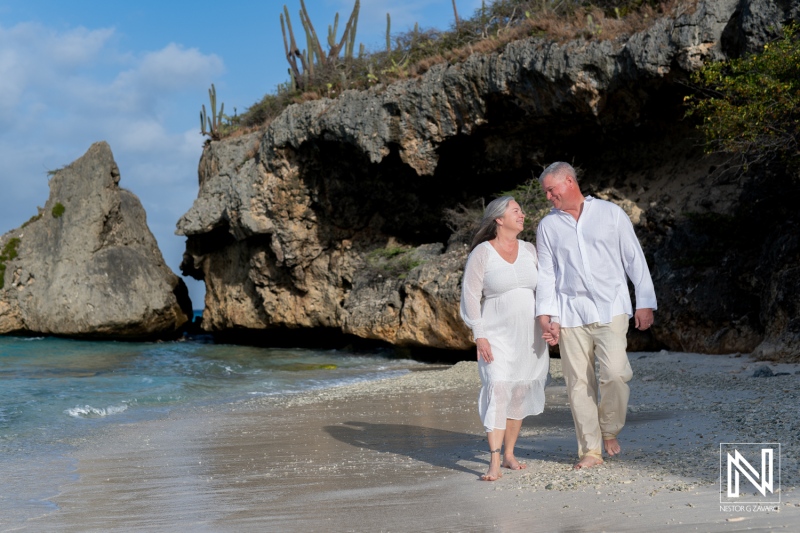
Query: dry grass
x=417, y=52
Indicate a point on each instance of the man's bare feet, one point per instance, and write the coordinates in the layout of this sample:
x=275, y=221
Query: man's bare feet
x=510, y=462
x=588, y=461
x=612, y=446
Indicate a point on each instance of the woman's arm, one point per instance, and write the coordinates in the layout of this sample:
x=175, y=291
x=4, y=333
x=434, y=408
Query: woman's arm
x=471, y=293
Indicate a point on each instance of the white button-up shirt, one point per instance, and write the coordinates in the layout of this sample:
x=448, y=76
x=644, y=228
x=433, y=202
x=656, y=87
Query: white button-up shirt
x=583, y=263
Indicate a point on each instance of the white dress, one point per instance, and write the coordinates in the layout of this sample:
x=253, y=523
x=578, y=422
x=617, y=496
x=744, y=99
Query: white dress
x=498, y=303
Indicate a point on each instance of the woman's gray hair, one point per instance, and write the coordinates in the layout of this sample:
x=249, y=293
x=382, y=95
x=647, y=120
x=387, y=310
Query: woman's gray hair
x=487, y=229
x=559, y=168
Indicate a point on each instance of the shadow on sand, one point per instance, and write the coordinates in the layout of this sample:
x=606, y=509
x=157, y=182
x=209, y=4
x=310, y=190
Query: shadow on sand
x=450, y=449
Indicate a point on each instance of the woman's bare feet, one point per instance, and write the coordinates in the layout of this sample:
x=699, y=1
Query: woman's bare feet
x=493, y=474
x=510, y=462
x=612, y=446
x=588, y=461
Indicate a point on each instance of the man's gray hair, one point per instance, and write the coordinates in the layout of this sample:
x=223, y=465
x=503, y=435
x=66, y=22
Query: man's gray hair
x=559, y=168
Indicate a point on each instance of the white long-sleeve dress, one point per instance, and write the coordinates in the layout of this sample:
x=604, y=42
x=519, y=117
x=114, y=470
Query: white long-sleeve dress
x=498, y=303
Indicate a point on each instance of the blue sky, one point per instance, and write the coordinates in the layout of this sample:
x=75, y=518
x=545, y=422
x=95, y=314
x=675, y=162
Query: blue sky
x=135, y=74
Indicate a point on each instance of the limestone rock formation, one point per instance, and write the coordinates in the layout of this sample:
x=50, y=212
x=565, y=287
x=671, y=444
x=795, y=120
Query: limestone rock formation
x=87, y=265
x=331, y=217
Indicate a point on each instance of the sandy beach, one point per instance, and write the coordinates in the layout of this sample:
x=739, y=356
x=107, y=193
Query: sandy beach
x=405, y=454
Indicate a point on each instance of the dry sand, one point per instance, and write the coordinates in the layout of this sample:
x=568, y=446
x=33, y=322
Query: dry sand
x=405, y=454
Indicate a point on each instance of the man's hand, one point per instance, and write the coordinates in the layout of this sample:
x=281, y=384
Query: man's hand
x=484, y=350
x=643, y=318
x=550, y=330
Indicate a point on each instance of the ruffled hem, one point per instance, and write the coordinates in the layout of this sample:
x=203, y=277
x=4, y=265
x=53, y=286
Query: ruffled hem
x=501, y=400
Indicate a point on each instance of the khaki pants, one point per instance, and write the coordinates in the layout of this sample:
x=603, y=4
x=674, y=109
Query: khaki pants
x=579, y=346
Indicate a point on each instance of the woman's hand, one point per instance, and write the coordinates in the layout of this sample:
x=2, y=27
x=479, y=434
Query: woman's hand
x=484, y=350
x=550, y=330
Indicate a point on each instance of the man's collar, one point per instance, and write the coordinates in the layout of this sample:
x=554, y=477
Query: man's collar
x=586, y=199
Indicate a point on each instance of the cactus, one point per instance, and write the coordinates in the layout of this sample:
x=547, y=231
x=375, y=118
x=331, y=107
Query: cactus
x=332, y=31
x=290, y=46
x=388, y=33
x=351, y=34
x=214, y=122
x=458, y=24
x=314, y=47
x=314, y=56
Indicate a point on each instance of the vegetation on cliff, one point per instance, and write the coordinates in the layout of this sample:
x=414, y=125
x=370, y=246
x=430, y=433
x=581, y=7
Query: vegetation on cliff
x=315, y=73
x=463, y=220
x=750, y=106
x=9, y=253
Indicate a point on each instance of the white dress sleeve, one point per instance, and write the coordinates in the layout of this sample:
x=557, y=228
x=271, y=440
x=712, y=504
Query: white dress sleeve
x=472, y=291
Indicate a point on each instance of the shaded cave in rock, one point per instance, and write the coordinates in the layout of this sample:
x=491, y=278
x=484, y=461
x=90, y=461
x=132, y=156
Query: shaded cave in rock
x=334, y=339
x=350, y=193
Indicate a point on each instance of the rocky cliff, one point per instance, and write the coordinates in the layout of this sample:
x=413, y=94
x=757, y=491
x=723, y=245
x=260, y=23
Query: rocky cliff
x=87, y=264
x=333, y=216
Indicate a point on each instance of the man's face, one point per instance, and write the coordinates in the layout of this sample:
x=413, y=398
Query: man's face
x=555, y=187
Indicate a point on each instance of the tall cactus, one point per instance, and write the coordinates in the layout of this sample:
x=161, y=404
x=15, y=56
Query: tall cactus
x=388, y=33
x=214, y=122
x=314, y=56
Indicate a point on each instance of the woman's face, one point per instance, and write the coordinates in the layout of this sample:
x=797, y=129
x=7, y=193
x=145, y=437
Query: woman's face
x=513, y=220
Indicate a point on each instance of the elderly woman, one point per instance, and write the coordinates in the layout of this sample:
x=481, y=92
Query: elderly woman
x=497, y=303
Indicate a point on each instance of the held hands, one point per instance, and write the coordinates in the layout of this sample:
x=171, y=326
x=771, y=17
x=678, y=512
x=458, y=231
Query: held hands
x=551, y=330
x=484, y=350
x=643, y=318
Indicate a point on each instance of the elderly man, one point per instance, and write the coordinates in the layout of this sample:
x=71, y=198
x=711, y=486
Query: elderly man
x=586, y=247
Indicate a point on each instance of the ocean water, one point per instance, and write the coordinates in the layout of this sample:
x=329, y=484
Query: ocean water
x=53, y=391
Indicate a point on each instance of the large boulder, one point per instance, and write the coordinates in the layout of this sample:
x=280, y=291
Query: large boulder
x=290, y=224
x=87, y=265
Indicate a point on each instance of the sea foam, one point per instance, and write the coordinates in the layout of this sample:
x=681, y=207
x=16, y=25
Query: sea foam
x=87, y=411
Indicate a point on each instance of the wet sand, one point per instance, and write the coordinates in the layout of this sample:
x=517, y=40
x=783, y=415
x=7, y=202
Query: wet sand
x=405, y=454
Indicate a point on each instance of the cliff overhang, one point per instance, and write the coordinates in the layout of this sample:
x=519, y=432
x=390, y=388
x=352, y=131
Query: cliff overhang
x=291, y=225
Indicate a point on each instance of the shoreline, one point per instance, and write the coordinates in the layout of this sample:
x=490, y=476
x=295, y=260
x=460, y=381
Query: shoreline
x=405, y=454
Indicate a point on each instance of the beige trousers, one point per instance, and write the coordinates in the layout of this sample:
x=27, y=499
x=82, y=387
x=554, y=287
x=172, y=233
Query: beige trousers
x=579, y=347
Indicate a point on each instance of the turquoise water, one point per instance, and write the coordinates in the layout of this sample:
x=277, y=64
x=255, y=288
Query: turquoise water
x=53, y=390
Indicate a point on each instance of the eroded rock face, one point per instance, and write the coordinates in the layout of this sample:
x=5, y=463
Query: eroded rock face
x=291, y=226
x=88, y=266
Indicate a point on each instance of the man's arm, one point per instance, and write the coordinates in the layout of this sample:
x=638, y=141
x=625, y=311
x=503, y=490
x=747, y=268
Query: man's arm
x=636, y=267
x=546, y=301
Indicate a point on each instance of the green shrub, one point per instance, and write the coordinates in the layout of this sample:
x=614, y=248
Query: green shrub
x=31, y=220
x=534, y=204
x=394, y=261
x=751, y=106
x=58, y=210
x=8, y=254
x=463, y=221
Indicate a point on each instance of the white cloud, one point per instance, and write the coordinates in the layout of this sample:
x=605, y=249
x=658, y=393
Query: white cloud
x=33, y=57
x=172, y=68
x=66, y=89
